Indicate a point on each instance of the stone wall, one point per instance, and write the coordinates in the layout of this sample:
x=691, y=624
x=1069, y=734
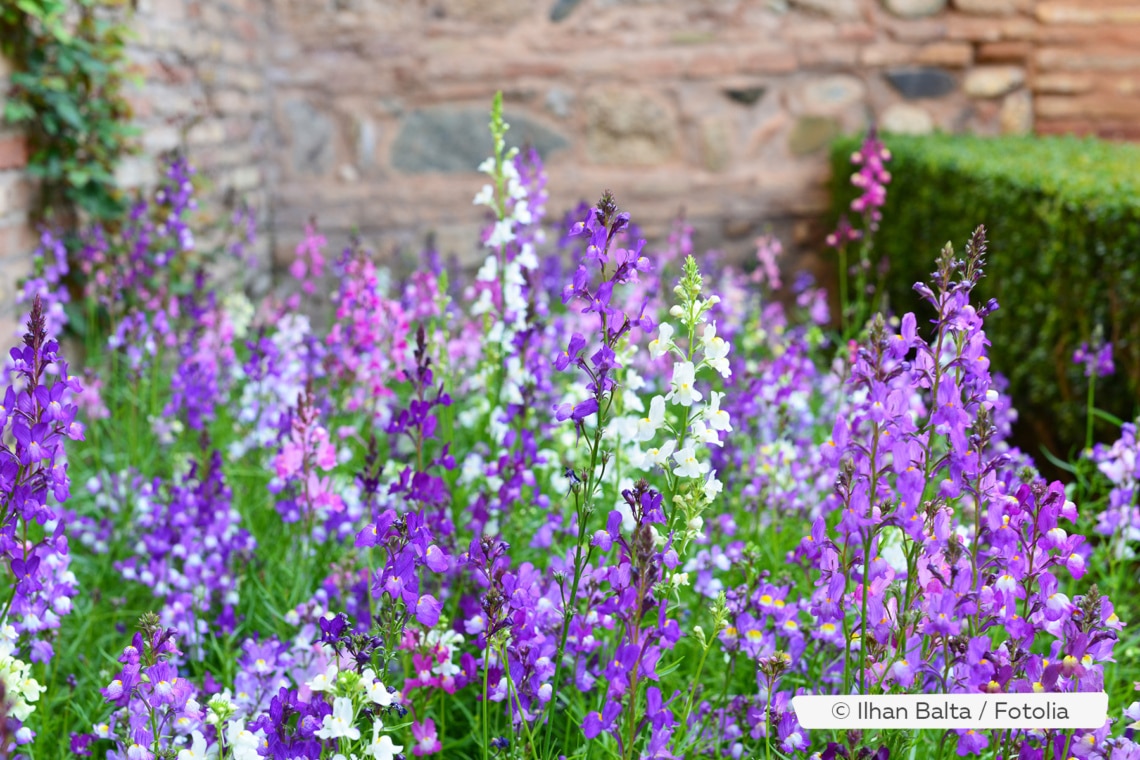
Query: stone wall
x=16, y=235
x=1085, y=67
x=372, y=114
x=722, y=108
x=204, y=92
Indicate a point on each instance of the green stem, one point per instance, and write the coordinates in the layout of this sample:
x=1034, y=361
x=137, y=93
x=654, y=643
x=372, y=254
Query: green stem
x=1089, y=412
x=486, y=668
x=843, y=305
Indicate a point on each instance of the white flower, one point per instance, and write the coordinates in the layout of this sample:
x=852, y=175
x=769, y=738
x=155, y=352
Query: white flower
x=197, y=749
x=243, y=743
x=716, y=350
x=339, y=725
x=521, y=212
x=703, y=434
x=502, y=234
x=683, y=392
x=489, y=272
x=717, y=417
x=712, y=487
x=663, y=343
x=382, y=748
x=488, y=166
x=526, y=258
x=687, y=464
x=660, y=457
x=486, y=196
x=324, y=681
x=648, y=426
x=376, y=692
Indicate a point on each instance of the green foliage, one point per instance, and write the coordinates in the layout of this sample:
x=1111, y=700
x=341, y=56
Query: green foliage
x=67, y=95
x=1063, y=216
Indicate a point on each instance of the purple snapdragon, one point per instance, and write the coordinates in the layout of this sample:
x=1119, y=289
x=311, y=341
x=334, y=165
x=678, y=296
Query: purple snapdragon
x=36, y=419
x=194, y=549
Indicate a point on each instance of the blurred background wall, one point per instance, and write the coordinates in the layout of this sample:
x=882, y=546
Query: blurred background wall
x=371, y=115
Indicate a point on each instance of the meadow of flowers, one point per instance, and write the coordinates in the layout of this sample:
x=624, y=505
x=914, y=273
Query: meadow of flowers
x=597, y=501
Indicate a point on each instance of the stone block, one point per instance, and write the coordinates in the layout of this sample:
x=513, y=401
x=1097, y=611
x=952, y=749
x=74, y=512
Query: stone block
x=836, y=55
x=812, y=133
x=207, y=132
x=830, y=94
x=923, y=82
x=454, y=139
x=559, y=101
x=628, y=128
x=767, y=60
x=1063, y=83
x=906, y=119
x=838, y=9
x=136, y=172
x=717, y=139
x=562, y=9
x=914, y=8
x=887, y=54
x=1104, y=58
x=949, y=54
x=993, y=81
x=1085, y=12
x=13, y=151
x=15, y=193
x=313, y=133
x=1004, y=52
x=497, y=12
x=160, y=138
x=979, y=29
x=991, y=7
x=1016, y=115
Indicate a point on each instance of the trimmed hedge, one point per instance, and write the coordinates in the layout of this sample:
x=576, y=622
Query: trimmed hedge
x=1063, y=222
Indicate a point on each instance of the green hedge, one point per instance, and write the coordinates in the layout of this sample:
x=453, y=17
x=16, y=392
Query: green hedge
x=1063, y=216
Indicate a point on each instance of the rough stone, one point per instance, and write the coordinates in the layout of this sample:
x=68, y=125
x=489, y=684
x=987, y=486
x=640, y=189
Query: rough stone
x=485, y=11
x=955, y=54
x=1016, y=115
x=562, y=9
x=1074, y=12
x=447, y=139
x=365, y=142
x=906, y=119
x=1004, y=52
x=993, y=81
x=716, y=143
x=840, y=9
x=987, y=7
x=628, y=128
x=13, y=151
x=136, y=171
x=925, y=82
x=914, y=8
x=559, y=102
x=832, y=94
x=745, y=96
x=1063, y=83
x=312, y=131
x=812, y=133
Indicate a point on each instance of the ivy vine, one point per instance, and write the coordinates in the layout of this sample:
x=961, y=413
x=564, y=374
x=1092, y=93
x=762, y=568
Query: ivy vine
x=67, y=95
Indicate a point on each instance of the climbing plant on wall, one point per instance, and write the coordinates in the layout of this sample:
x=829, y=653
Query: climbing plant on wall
x=67, y=94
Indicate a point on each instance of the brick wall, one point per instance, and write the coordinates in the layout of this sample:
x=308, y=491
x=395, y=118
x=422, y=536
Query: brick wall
x=1086, y=67
x=204, y=92
x=16, y=236
x=723, y=109
x=372, y=114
